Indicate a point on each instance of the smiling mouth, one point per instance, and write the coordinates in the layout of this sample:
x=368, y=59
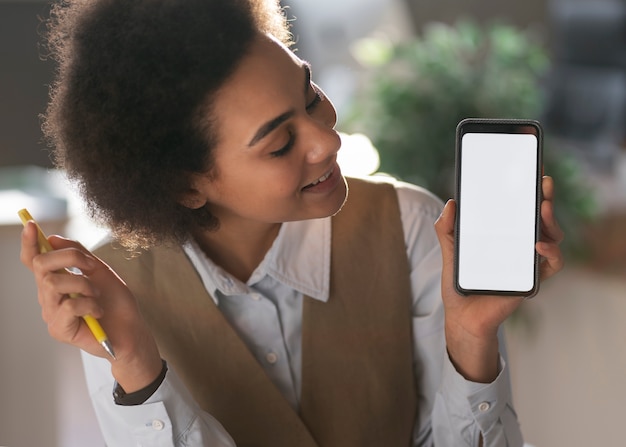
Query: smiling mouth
x=322, y=179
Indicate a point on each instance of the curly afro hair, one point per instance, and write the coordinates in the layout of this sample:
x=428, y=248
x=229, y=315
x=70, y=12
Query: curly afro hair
x=129, y=111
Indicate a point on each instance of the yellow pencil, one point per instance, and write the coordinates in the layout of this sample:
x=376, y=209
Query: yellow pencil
x=92, y=323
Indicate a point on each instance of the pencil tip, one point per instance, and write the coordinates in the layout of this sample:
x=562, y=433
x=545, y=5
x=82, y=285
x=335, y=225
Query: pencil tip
x=106, y=344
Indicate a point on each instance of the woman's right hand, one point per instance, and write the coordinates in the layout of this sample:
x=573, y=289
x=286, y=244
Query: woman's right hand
x=103, y=295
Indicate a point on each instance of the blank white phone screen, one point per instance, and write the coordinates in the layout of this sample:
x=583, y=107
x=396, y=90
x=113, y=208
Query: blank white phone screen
x=497, y=211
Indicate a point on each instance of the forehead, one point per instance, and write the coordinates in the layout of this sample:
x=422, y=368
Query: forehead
x=265, y=84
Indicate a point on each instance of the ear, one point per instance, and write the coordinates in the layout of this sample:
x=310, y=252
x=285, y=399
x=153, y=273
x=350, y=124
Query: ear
x=195, y=196
x=192, y=199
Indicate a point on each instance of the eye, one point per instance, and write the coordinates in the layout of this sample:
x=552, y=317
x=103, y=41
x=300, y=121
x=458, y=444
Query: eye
x=310, y=108
x=319, y=96
x=286, y=148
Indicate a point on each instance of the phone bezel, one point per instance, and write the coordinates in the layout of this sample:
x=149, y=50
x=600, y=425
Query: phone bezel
x=507, y=126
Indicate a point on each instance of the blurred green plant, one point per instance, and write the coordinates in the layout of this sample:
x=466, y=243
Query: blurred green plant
x=418, y=91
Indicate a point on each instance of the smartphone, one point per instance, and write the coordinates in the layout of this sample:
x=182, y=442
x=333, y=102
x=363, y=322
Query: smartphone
x=498, y=196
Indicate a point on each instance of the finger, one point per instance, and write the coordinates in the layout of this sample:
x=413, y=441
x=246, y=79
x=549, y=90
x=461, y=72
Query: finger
x=62, y=284
x=92, y=263
x=59, y=242
x=67, y=321
x=64, y=258
x=56, y=287
x=551, y=230
x=444, y=226
x=29, y=246
x=553, y=260
x=547, y=187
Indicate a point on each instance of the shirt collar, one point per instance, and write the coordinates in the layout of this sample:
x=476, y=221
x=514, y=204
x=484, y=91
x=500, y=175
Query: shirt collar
x=299, y=258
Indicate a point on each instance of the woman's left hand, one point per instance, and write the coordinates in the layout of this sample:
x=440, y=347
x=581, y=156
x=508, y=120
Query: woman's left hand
x=472, y=322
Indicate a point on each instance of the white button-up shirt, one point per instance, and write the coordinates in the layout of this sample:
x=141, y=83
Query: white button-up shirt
x=266, y=312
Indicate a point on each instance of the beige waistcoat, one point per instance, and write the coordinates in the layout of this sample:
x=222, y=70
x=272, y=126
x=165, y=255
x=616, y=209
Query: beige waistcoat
x=358, y=386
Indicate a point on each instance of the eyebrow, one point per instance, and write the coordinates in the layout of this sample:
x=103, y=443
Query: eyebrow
x=272, y=124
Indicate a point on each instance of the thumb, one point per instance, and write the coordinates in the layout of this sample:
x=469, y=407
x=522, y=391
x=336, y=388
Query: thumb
x=29, y=245
x=444, y=227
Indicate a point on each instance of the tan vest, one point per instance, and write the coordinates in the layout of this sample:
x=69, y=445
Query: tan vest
x=358, y=384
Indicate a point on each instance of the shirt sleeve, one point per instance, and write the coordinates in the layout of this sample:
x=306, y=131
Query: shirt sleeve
x=169, y=418
x=452, y=411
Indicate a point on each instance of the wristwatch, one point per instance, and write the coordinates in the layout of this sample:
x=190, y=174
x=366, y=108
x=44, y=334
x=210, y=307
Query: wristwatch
x=138, y=397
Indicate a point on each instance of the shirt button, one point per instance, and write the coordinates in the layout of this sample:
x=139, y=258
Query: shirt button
x=271, y=358
x=255, y=297
x=484, y=406
x=158, y=425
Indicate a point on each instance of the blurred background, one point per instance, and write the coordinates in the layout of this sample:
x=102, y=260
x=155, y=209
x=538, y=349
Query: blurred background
x=402, y=73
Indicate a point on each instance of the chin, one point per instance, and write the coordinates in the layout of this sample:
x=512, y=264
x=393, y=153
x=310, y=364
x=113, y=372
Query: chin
x=344, y=197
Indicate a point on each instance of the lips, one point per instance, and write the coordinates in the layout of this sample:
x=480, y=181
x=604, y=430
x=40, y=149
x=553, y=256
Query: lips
x=322, y=179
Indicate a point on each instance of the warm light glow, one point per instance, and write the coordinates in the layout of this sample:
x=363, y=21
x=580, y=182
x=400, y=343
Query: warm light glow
x=358, y=157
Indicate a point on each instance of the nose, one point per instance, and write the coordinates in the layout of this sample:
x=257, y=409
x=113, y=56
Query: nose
x=323, y=142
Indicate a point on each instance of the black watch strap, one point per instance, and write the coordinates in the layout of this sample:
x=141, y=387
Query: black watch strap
x=140, y=396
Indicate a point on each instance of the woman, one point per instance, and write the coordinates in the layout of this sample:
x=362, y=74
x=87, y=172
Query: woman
x=259, y=310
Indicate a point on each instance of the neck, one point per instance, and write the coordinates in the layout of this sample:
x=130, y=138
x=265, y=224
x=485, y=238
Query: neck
x=238, y=249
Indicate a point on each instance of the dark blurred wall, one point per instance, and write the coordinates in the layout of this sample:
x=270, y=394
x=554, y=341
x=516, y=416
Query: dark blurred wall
x=23, y=83
x=586, y=40
x=515, y=12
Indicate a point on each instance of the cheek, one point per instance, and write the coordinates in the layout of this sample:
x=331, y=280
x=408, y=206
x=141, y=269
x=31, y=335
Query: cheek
x=284, y=180
x=265, y=180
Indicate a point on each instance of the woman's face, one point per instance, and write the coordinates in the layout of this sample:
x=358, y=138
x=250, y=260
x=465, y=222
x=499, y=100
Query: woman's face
x=275, y=158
